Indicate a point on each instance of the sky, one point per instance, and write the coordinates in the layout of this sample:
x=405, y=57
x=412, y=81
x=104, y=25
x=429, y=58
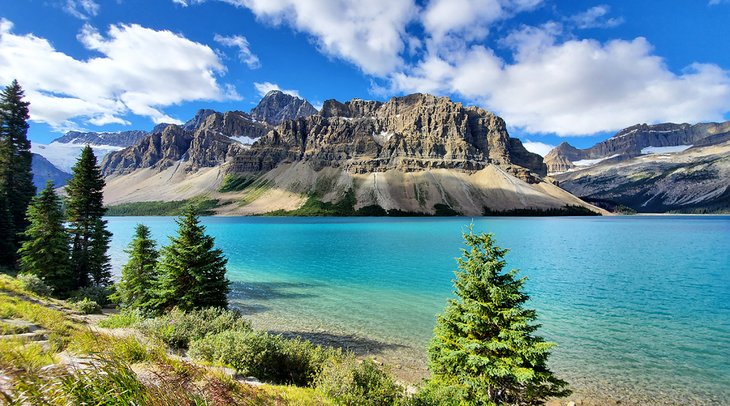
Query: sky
x=575, y=71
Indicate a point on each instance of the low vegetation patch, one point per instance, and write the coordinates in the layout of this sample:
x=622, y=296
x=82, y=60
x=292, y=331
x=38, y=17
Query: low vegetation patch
x=161, y=208
x=567, y=210
x=236, y=183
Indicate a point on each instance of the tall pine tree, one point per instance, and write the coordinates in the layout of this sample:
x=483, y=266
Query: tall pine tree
x=45, y=251
x=484, y=346
x=85, y=210
x=16, y=179
x=139, y=274
x=192, y=270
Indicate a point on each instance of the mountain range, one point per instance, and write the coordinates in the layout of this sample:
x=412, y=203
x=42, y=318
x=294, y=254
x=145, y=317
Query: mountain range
x=651, y=168
x=417, y=154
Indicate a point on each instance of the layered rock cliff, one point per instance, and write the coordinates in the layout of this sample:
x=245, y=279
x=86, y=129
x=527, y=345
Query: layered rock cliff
x=411, y=133
x=277, y=107
x=416, y=154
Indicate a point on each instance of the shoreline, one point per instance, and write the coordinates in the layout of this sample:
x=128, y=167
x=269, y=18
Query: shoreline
x=409, y=364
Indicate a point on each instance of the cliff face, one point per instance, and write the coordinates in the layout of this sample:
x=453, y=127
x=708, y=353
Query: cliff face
x=630, y=142
x=204, y=141
x=415, y=153
x=277, y=107
x=411, y=133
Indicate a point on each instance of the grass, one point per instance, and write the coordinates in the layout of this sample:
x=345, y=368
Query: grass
x=162, y=208
x=236, y=183
x=123, y=319
x=129, y=367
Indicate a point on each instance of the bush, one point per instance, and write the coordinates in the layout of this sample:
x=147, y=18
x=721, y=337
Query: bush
x=33, y=283
x=353, y=383
x=178, y=328
x=99, y=294
x=125, y=318
x=267, y=357
x=433, y=393
x=86, y=306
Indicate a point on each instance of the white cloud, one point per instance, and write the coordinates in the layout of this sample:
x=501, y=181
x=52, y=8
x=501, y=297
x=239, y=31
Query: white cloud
x=717, y=2
x=595, y=17
x=138, y=70
x=539, y=148
x=244, y=52
x=82, y=9
x=469, y=19
x=370, y=34
x=575, y=87
x=266, y=87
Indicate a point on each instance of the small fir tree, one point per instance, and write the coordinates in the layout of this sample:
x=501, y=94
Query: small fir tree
x=139, y=275
x=484, y=345
x=85, y=209
x=45, y=251
x=16, y=178
x=192, y=271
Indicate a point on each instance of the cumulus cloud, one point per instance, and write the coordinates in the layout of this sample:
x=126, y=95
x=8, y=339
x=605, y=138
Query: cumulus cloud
x=539, y=148
x=138, y=70
x=573, y=87
x=82, y=9
x=370, y=34
x=244, y=52
x=266, y=87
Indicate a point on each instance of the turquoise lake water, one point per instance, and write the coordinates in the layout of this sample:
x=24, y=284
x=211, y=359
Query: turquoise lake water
x=639, y=306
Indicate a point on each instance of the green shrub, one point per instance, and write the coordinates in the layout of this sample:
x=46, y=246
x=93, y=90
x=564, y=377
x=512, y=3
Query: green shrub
x=33, y=283
x=99, y=294
x=353, y=383
x=267, y=357
x=178, y=328
x=433, y=393
x=86, y=306
x=125, y=318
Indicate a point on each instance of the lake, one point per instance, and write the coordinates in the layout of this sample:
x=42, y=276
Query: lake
x=639, y=305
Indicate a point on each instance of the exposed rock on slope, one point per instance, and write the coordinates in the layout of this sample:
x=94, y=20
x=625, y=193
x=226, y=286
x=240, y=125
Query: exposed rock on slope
x=414, y=154
x=207, y=145
x=630, y=142
x=410, y=133
x=695, y=180
x=277, y=107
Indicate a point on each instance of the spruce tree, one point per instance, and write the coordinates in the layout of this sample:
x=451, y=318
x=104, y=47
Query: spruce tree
x=139, y=274
x=192, y=271
x=45, y=250
x=85, y=210
x=16, y=178
x=484, y=346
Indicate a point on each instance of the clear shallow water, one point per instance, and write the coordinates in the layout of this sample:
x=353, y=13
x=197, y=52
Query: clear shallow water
x=636, y=304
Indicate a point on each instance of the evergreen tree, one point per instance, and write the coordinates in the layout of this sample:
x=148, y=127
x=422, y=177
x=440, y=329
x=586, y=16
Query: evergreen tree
x=85, y=209
x=45, y=251
x=16, y=178
x=139, y=275
x=484, y=347
x=192, y=271
x=7, y=243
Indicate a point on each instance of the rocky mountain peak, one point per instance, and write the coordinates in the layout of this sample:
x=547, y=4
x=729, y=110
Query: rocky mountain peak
x=117, y=139
x=198, y=120
x=277, y=106
x=409, y=133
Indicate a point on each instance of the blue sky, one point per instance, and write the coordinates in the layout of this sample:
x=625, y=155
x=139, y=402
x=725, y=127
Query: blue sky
x=556, y=71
